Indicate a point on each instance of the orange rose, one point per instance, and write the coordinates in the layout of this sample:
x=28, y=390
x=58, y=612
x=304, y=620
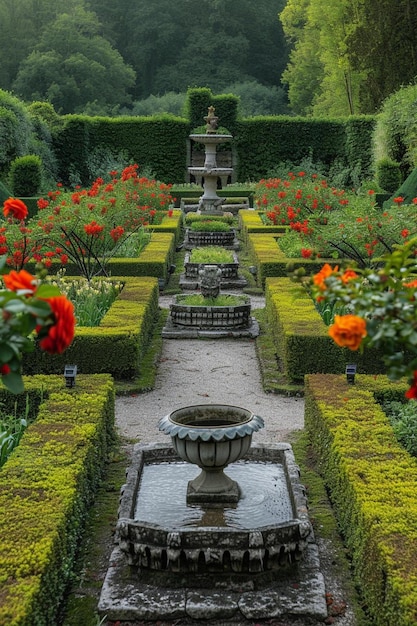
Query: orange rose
x=348, y=331
x=325, y=272
x=61, y=333
x=16, y=208
x=20, y=280
x=348, y=275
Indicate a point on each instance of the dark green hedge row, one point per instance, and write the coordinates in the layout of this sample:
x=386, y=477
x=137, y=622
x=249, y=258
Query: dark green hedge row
x=372, y=483
x=264, y=142
x=260, y=144
x=117, y=345
x=301, y=338
x=158, y=143
x=46, y=488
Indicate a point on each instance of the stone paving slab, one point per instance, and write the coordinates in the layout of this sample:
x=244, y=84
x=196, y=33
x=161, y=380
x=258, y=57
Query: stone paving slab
x=125, y=596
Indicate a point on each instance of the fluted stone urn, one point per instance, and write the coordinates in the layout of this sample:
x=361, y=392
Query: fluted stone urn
x=211, y=436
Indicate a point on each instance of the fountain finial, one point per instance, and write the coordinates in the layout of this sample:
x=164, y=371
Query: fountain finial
x=211, y=121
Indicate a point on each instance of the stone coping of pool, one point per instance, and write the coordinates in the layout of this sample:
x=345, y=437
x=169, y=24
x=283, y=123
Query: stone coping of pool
x=128, y=594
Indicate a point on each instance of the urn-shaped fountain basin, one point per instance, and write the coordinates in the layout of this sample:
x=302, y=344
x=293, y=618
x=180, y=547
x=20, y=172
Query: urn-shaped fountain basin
x=211, y=436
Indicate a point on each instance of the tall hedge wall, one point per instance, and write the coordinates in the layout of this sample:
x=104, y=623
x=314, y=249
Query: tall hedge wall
x=263, y=142
x=159, y=143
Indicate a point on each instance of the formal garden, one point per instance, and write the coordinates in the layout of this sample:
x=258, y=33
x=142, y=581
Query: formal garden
x=328, y=239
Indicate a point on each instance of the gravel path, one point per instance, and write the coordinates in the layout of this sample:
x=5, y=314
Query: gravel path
x=205, y=371
x=208, y=371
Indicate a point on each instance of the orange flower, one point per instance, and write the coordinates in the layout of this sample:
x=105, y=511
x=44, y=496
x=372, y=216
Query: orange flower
x=320, y=277
x=16, y=208
x=412, y=284
x=348, y=331
x=61, y=333
x=348, y=275
x=20, y=280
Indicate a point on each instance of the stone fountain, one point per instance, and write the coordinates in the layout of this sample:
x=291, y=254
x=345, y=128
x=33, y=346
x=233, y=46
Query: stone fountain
x=196, y=542
x=210, y=203
x=210, y=320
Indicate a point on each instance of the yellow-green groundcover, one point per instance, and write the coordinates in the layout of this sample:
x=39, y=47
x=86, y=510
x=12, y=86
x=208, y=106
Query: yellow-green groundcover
x=372, y=482
x=46, y=487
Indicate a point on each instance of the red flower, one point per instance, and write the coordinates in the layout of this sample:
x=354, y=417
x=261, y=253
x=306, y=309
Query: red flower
x=15, y=281
x=5, y=369
x=93, y=228
x=42, y=203
x=16, y=208
x=405, y=232
x=411, y=394
x=306, y=253
x=398, y=200
x=61, y=333
x=116, y=232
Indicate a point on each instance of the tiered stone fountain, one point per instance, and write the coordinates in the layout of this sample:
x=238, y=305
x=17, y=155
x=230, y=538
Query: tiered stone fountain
x=210, y=203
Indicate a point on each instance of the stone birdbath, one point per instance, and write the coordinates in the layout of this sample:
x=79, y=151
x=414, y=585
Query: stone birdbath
x=211, y=436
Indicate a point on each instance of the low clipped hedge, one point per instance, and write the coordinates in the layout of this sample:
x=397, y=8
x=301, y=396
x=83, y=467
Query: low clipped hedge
x=250, y=221
x=46, y=488
x=169, y=224
x=301, y=338
x=117, y=345
x=154, y=260
x=269, y=259
x=372, y=482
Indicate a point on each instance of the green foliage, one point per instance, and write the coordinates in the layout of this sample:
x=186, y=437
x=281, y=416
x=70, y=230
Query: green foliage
x=262, y=143
x=62, y=456
x=15, y=129
x=220, y=300
x=211, y=254
x=192, y=217
x=141, y=140
x=403, y=419
x=170, y=102
x=388, y=174
x=25, y=175
x=209, y=225
x=73, y=65
x=372, y=481
x=396, y=130
x=300, y=335
x=124, y=333
x=12, y=427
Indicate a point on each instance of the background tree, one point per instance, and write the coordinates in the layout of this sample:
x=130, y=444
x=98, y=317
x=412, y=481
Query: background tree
x=73, y=66
x=320, y=77
x=382, y=46
x=21, y=24
x=174, y=45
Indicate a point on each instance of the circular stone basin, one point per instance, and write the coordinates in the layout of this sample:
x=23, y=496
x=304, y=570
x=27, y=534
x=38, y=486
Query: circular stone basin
x=211, y=436
x=210, y=138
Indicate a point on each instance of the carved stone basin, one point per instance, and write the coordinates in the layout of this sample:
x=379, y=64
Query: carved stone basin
x=211, y=436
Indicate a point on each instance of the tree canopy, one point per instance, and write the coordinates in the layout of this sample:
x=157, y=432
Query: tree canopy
x=79, y=54
x=348, y=56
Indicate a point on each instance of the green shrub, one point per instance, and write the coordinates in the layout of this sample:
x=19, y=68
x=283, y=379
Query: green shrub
x=372, y=483
x=209, y=226
x=26, y=175
x=388, y=174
